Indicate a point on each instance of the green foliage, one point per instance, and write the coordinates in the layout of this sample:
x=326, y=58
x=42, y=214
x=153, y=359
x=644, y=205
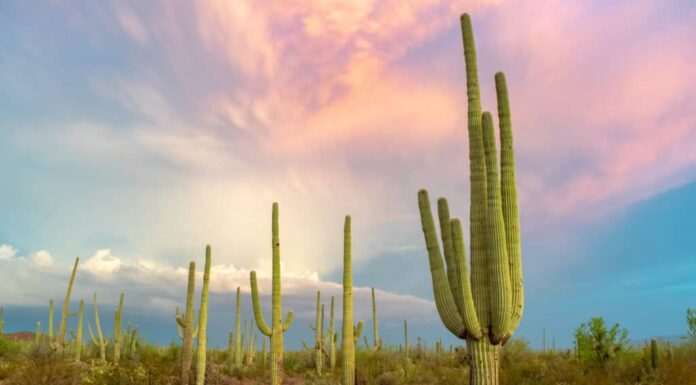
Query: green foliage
x=597, y=345
x=691, y=323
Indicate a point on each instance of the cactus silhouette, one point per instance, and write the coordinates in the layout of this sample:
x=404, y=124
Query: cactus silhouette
x=486, y=309
x=278, y=327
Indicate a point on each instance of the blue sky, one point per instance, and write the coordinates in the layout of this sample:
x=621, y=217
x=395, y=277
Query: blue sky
x=134, y=134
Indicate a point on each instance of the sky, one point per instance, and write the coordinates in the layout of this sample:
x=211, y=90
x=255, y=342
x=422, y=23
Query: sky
x=135, y=133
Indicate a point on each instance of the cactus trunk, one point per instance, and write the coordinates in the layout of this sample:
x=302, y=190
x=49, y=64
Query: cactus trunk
x=238, y=333
x=118, y=336
x=332, y=339
x=348, y=343
x=375, y=330
x=60, y=343
x=202, y=322
x=486, y=308
x=406, y=337
x=278, y=327
x=187, y=325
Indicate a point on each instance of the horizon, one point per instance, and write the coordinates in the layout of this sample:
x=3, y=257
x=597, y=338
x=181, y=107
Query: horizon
x=136, y=133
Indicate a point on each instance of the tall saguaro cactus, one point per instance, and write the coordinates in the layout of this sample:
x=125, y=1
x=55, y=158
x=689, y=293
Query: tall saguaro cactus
x=350, y=333
x=238, y=333
x=118, y=332
x=80, y=329
x=186, y=323
x=203, y=322
x=99, y=340
x=60, y=341
x=375, y=329
x=332, y=338
x=406, y=337
x=278, y=327
x=486, y=309
x=318, y=336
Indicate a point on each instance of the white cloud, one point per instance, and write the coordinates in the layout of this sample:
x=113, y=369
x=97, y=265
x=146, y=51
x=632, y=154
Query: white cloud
x=7, y=252
x=41, y=259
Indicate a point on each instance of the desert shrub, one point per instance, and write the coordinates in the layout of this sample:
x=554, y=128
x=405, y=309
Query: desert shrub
x=597, y=345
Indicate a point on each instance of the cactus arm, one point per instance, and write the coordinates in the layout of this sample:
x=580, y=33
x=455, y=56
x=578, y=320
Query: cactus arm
x=307, y=347
x=358, y=329
x=288, y=320
x=451, y=260
x=180, y=322
x=256, y=304
x=203, y=321
x=444, y=300
x=367, y=343
x=467, y=309
x=500, y=290
x=92, y=338
x=477, y=175
x=509, y=197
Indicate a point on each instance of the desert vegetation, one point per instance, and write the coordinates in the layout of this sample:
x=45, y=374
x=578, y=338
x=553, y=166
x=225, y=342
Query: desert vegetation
x=480, y=302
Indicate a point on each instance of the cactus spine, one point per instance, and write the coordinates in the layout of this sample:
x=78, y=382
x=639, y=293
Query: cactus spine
x=60, y=342
x=203, y=321
x=186, y=323
x=118, y=336
x=278, y=327
x=80, y=329
x=488, y=309
x=238, y=333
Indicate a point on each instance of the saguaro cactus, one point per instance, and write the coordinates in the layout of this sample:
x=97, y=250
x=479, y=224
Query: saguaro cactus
x=118, y=335
x=186, y=323
x=99, y=340
x=238, y=333
x=318, y=335
x=50, y=321
x=406, y=337
x=80, y=328
x=654, y=355
x=375, y=330
x=488, y=309
x=278, y=327
x=332, y=338
x=2, y=321
x=60, y=340
x=350, y=333
x=203, y=321
x=37, y=335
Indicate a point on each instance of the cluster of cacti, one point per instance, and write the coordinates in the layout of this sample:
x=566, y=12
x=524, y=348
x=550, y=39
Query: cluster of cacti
x=486, y=309
x=278, y=327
